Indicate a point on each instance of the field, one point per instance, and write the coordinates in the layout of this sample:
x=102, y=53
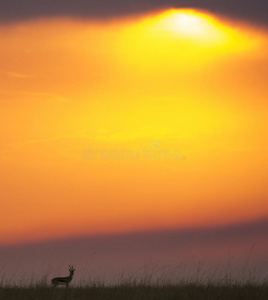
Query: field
x=185, y=291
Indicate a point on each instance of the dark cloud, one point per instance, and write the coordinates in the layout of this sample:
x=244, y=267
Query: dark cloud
x=200, y=235
x=16, y=10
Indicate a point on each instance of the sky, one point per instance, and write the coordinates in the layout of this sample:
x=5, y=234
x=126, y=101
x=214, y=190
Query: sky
x=121, y=118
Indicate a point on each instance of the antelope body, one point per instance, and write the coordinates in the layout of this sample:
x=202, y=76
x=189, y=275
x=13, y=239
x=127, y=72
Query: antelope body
x=64, y=280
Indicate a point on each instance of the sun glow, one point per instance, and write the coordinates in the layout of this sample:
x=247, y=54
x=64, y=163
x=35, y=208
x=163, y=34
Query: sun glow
x=191, y=38
x=188, y=23
x=181, y=77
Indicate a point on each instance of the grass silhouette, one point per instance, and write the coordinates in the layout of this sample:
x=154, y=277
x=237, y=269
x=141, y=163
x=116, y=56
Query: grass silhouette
x=138, y=289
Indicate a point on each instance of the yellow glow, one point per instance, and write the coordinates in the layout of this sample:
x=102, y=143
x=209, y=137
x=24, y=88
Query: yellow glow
x=182, y=77
x=191, y=39
x=188, y=23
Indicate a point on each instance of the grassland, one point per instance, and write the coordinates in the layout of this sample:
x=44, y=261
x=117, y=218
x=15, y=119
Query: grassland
x=185, y=291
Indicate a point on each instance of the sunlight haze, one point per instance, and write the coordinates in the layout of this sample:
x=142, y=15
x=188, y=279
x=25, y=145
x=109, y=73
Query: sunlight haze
x=147, y=122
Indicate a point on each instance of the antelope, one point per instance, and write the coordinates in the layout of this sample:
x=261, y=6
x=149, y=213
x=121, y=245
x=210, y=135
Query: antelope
x=64, y=280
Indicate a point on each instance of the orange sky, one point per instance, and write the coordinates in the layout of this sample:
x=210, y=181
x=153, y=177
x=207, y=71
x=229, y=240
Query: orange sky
x=75, y=95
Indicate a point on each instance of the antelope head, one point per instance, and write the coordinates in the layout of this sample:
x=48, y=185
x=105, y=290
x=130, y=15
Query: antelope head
x=71, y=270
